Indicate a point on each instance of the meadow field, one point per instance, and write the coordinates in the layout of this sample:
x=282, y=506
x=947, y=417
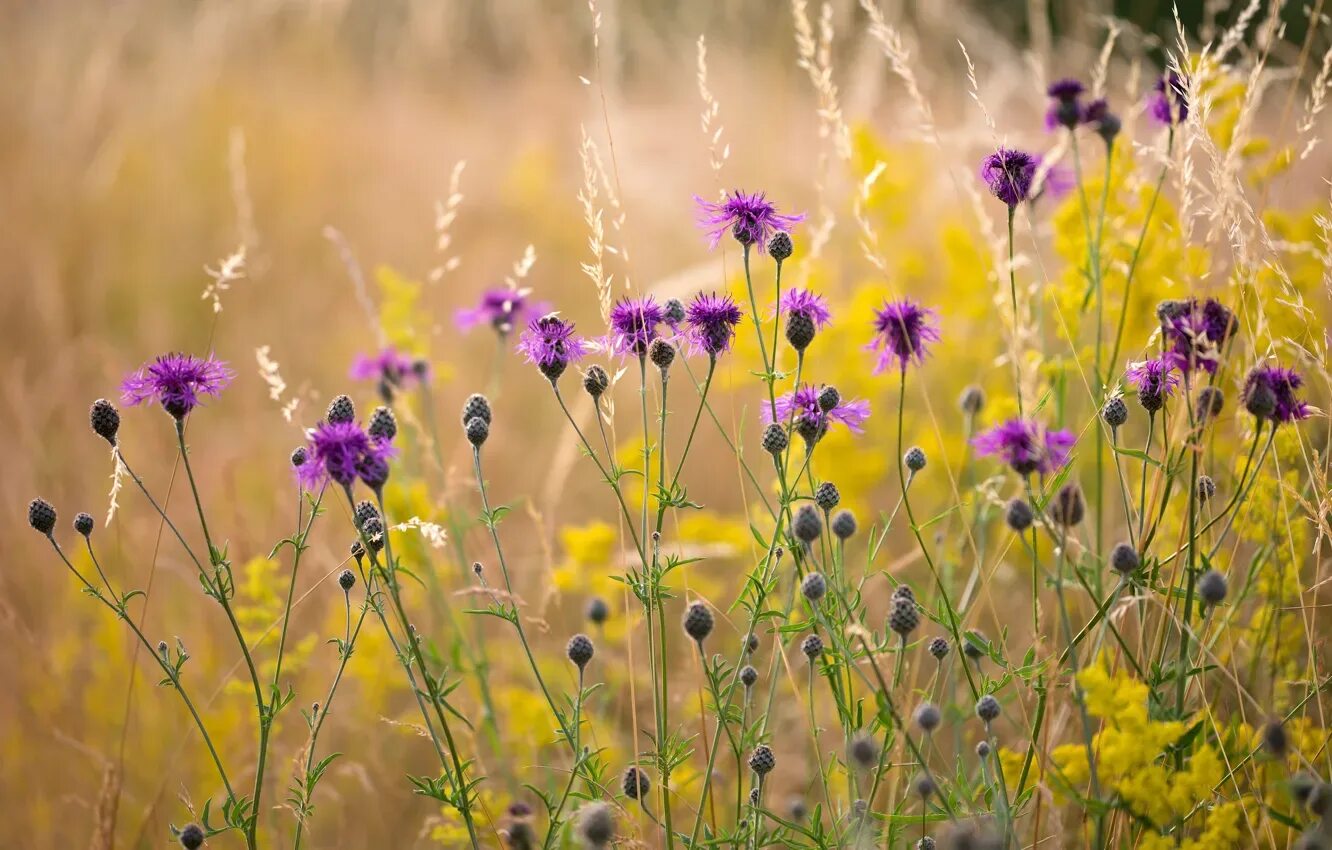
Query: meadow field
x=713, y=424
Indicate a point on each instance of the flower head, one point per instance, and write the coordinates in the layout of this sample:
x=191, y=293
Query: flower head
x=1195, y=331
x=1009, y=174
x=343, y=452
x=902, y=329
x=751, y=219
x=712, y=320
x=503, y=308
x=802, y=302
x=1269, y=391
x=803, y=406
x=1098, y=116
x=633, y=325
x=1155, y=379
x=1026, y=446
x=549, y=342
x=390, y=367
x=176, y=381
x=1065, y=110
x=1170, y=103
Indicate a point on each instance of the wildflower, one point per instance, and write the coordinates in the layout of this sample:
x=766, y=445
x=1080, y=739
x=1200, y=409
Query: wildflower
x=987, y=708
x=814, y=586
x=1206, y=488
x=340, y=410
x=712, y=320
x=1212, y=587
x=928, y=717
x=902, y=328
x=843, y=525
x=806, y=315
x=1009, y=174
x=191, y=837
x=549, y=342
x=1170, y=104
x=939, y=648
x=299, y=456
x=1067, y=508
x=1211, y=401
x=84, y=524
x=812, y=646
x=1019, y=515
x=775, y=440
x=914, y=459
x=826, y=496
x=863, y=751
x=1106, y=124
x=635, y=782
x=1114, y=412
x=1065, y=109
x=1124, y=559
x=806, y=525
x=104, y=419
x=698, y=621
x=972, y=400
x=762, y=761
x=596, y=824
x=1195, y=332
x=1269, y=393
x=596, y=381
x=633, y=325
x=597, y=610
x=503, y=308
x=904, y=618
x=41, y=516
x=674, y=312
x=662, y=355
x=176, y=381
x=346, y=580
x=804, y=404
x=748, y=676
x=751, y=219
x=1156, y=381
x=780, y=246
x=390, y=369
x=579, y=650
x=1026, y=446
x=477, y=406
x=342, y=451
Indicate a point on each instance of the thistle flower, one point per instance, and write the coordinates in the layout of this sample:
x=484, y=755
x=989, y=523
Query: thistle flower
x=503, y=308
x=633, y=325
x=902, y=330
x=751, y=219
x=104, y=419
x=1156, y=381
x=1009, y=174
x=1269, y=393
x=712, y=319
x=806, y=305
x=1026, y=446
x=1196, y=331
x=390, y=369
x=342, y=452
x=1065, y=109
x=177, y=382
x=674, y=312
x=1170, y=104
x=549, y=342
x=803, y=405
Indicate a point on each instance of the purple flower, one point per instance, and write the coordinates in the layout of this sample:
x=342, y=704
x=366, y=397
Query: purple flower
x=633, y=325
x=502, y=308
x=1196, y=331
x=803, y=406
x=1009, y=174
x=1269, y=393
x=751, y=219
x=549, y=342
x=1026, y=446
x=1155, y=379
x=1065, y=110
x=712, y=320
x=1170, y=104
x=1098, y=116
x=389, y=367
x=176, y=381
x=802, y=302
x=343, y=452
x=902, y=329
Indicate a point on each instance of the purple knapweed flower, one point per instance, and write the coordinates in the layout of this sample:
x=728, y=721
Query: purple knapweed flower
x=803, y=405
x=503, y=308
x=549, y=342
x=1009, y=174
x=1065, y=109
x=711, y=320
x=751, y=219
x=633, y=325
x=1155, y=381
x=1269, y=393
x=1170, y=103
x=389, y=367
x=1026, y=446
x=342, y=452
x=808, y=305
x=177, y=381
x=902, y=329
x=1195, y=332
x=1098, y=116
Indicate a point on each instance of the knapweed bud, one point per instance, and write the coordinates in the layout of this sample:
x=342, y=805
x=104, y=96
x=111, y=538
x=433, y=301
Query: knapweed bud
x=928, y=717
x=478, y=430
x=579, y=650
x=477, y=406
x=775, y=440
x=753, y=796
x=373, y=531
x=903, y=591
x=751, y=643
x=925, y=843
x=780, y=246
x=84, y=524
x=357, y=551
x=1124, y=559
x=904, y=617
x=1114, y=412
x=844, y=525
x=939, y=648
x=799, y=811
x=814, y=586
x=596, y=824
x=973, y=646
x=105, y=420
x=811, y=429
x=1259, y=399
x=972, y=400
x=987, y=708
x=1211, y=401
x=191, y=837
x=812, y=646
x=299, y=456
x=1019, y=515
x=42, y=516
x=346, y=580
x=762, y=761
x=1206, y=488
x=635, y=782
x=807, y=526
x=383, y=425
x=698, y=621
x=924, y=786
x=674, y=311
x=1068, y=507
x=826, y=496
x=748, y=676
x=364, y=510
x=163, y=650
x=597, y=610
x=914, y=459
x=596, y=381
x=800, y=330
x=1319, y=801
x=829, y=398
x=340, y=411
x=662, y=354
x=1275, y=740
x=983, y=750
x=1212, y=587
x=863, y=751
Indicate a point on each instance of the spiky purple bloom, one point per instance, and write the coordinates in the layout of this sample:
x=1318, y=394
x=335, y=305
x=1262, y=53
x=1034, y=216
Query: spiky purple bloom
x=1195, y=331
x=1009, y=174
x=751, y=219
x=389, y=366
x=1170, y=103
x=633, y=325
x=1279, y=384
x=177, y=381
x=902, y=328
x=1026, y=446
x=343, y=452
x=1065, y=110
x=803, y=404
x=503, y=308
x=802, y=302
x=549, y=342
x=712, y=319
x=1154, y=379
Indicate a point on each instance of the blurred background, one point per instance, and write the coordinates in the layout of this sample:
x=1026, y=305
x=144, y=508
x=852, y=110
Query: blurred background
x=381, y=164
